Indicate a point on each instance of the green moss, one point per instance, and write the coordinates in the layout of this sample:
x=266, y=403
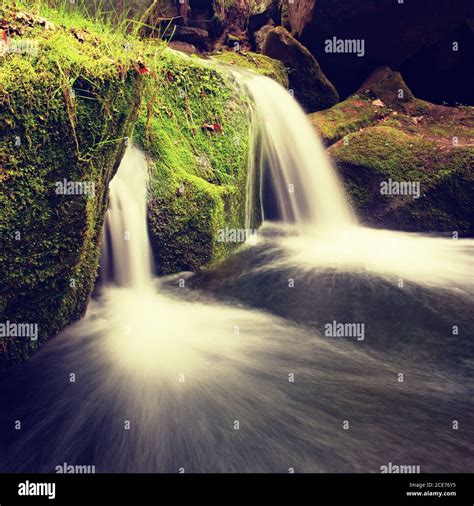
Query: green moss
x=194, y=124
x=71, y=105
x=257, y=62
x=346, y=117
x=66, y=109
x=388, y=152
x=380, y=153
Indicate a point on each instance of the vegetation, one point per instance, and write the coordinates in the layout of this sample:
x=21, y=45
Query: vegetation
x=68, y=100
x=257, y=62
x=71, y=100
x=194, y=125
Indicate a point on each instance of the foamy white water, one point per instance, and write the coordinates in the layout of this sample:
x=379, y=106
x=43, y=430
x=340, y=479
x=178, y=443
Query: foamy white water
x=179, y=368
x=126, y=253
x=314, y=208
x=307, y=188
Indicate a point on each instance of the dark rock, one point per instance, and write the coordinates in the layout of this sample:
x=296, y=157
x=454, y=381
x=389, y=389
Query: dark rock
x=201, y=14
x=216, y=27
x=261, y=34
x=184, y=47
x=311, y=87
x=261, y=13
x=392, y=32
x=188, y=34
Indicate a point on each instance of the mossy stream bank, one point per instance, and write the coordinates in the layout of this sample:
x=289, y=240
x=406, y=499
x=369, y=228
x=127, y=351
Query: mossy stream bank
x=74, y=92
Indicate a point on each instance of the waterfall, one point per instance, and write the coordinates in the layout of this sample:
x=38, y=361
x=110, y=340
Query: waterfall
x=305, y=185
x=126, y=255
x=165, y=368
x=289, y=156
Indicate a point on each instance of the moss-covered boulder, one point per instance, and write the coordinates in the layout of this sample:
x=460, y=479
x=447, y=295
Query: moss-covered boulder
x=438, y=182
x=264, y=65
x=194, y=125
x=311, y=87
x=71, y=103
x=69, y=94
x=406, y=163
x=382, y=94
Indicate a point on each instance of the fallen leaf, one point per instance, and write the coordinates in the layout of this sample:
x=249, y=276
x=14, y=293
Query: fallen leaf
x=208, y=128
x=378, y=103
x=416, y=119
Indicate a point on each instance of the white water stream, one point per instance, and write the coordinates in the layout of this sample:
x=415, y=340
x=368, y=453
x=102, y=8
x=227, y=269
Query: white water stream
x=182, y=367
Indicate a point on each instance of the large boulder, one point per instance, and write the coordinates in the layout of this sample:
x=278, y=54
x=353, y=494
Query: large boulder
x=72, y=97
x=311, y=87
x=261, y=34
x=392, y=32
x=406, y=163
x=259, y=63
x=188, y=34
x=196, y=132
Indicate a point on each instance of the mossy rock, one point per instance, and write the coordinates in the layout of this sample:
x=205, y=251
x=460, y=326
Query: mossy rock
x=264, y=65
x=385, y=100
x=346, y=117
x=382, y=94
x=382, y=153
x=194, y=124
x=387, y=85
x=311, y=87
x=383, y=132
x=67, y=106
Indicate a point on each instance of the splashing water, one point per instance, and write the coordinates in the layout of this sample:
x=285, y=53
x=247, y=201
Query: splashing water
x=126, y=254
x=306, y=187
x=182, y=367
x=323, y=230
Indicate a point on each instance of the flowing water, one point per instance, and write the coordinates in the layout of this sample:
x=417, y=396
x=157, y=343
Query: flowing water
x=305, y=185
x=232, y=369
x=126, y=253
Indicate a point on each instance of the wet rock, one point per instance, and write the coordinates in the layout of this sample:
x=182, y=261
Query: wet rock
x=311, y=87
x=393, y=34
x=406, y=163
x=184, y=47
